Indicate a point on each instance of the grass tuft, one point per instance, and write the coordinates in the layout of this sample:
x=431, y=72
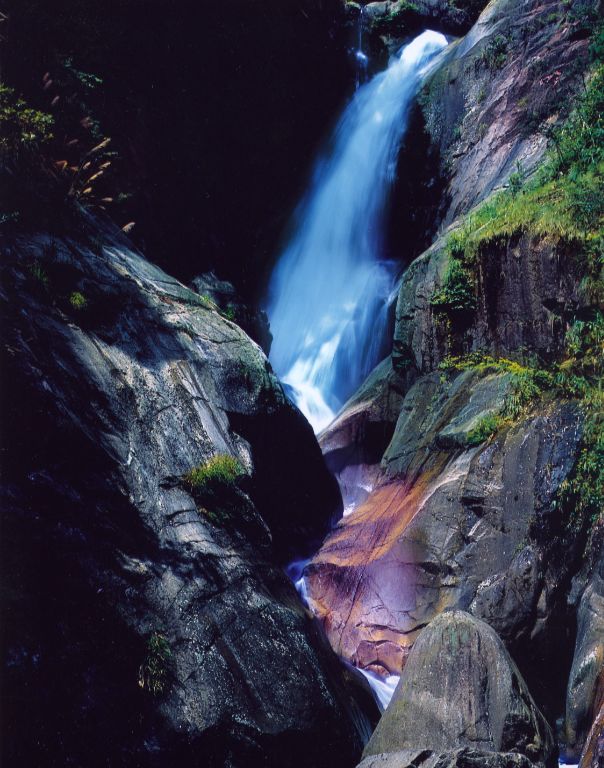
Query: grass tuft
x=219, y=471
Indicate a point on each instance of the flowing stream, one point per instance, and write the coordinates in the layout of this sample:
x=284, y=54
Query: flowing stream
x=328, y=294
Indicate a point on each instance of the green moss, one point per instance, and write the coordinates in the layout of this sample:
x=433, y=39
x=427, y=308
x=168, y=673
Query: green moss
x=487, y=426
x=494, y=54
x=219, y=471
x=566, y=198
x=398, y=16
x=458, y=292
x=153, y=672
x=528, y=383
x=78, y=301
x=403, y=8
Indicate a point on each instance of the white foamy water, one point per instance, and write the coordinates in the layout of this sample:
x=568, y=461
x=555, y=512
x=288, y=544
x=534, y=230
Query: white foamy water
x=382, y=687
x=328, y=294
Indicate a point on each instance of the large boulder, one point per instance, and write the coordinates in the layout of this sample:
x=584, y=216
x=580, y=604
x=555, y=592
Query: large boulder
x=460, y=688
x=146, y=618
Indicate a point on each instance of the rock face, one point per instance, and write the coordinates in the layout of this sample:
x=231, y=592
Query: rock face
x=585, y=694
x=353, y=444
x=447, y=525
x=386, y=24
x=117, y=380
x=526, y=289
x=593, y=753
x=440, y=521
x=253, y=321
x=488, y=106
x=460, y=688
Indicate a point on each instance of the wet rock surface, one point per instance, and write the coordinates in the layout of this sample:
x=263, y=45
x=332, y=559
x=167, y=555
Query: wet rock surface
x=117, y=575
x=354, y=443
x=593, y=752
x=460, y=688
x=448, y=525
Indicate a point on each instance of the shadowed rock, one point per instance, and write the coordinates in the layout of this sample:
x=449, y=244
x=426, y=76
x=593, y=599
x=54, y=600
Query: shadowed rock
x=146, y=622
x=526, y=289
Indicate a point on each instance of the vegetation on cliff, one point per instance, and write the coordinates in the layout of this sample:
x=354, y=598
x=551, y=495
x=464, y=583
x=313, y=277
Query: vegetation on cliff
x=564, y=201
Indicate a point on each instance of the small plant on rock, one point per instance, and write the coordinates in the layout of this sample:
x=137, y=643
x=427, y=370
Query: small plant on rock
x=494, y=54
x=153, y=672
x=457, y=293
x=78, y=301
x=487, y=426
x=219, y=471
x=230, y=313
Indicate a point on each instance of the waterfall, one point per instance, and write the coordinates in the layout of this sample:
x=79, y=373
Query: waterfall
x=328, y=292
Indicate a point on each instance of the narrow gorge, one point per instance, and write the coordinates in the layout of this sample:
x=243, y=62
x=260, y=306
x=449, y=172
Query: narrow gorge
x=301, y=384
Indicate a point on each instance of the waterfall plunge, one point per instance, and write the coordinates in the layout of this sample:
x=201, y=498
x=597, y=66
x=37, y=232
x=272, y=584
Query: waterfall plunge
x=328, y=294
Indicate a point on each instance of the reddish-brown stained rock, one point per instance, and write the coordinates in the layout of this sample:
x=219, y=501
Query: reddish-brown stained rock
x=447, y=524
x=593, y=754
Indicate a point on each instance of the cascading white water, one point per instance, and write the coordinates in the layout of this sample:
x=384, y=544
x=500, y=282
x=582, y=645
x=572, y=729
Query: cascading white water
x=328, y=293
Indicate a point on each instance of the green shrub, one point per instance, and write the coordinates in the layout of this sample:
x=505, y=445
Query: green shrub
x=219, y=471
x=21, y=127
x=153, y=672
x=206, y=301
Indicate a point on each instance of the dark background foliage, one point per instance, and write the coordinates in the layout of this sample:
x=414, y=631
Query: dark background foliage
x=215, y=109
